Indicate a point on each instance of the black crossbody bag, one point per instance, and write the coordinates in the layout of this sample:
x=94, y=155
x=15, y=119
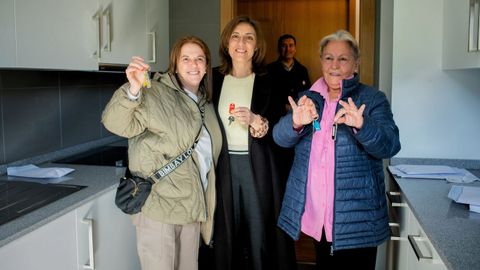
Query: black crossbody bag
x=133, y=191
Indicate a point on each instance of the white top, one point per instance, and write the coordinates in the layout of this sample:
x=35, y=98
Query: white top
x=203, y=150
x=236, y=91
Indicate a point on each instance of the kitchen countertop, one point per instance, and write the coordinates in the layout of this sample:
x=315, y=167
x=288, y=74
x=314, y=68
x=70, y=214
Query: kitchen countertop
x=97, y=179
x=453, y=230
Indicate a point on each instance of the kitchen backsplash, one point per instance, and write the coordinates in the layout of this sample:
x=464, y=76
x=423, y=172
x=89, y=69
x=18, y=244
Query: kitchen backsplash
x=45, y=111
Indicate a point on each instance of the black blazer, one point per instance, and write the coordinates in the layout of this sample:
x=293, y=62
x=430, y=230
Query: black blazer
x=279, y=247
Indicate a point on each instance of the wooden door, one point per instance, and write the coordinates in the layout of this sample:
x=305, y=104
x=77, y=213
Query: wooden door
x=309, y=21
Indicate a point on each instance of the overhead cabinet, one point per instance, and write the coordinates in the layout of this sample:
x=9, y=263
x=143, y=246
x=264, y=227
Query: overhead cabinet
x=461, y=48
x=81, y=35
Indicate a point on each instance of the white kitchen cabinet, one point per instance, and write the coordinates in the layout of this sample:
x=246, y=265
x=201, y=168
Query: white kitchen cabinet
x=158, y=34
x=461, y=46
x=7, y=33
x=94, y=236
x=123, y=31
x=399, y=219
x=55, y=34
x=82, y=35
x=421, y=254
x=409, y=247
x=52, y=246
x=106, y=236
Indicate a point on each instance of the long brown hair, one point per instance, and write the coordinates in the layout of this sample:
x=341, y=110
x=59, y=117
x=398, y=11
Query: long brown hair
x=175, y=57
x=258, y=61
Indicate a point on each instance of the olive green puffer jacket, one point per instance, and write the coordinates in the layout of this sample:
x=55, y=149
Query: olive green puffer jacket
x=161, y=124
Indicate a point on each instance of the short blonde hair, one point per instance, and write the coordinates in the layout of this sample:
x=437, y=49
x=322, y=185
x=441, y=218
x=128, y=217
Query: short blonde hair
x=341, y=35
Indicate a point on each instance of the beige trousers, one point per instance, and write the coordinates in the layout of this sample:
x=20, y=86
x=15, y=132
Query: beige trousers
x=166, y=246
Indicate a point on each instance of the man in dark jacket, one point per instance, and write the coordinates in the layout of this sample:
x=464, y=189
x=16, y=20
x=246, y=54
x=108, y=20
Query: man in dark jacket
x=289, y=78
x=288, y=75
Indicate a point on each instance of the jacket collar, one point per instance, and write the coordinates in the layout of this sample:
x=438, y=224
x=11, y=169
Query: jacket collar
x=171, y=81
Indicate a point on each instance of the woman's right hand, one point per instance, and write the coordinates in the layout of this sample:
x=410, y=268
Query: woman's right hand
x=136, y=74
x=304, y=111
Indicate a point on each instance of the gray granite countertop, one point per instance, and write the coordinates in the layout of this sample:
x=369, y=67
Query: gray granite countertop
x=97, y=179
x=453, y=230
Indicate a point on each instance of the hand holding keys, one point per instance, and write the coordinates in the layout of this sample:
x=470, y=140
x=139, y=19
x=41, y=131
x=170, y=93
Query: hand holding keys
x=231, y=108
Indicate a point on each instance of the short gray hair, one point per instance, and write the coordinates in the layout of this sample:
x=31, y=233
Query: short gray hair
x=341, y=35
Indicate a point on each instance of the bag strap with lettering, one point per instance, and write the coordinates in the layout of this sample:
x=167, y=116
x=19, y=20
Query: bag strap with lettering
x=173, y=164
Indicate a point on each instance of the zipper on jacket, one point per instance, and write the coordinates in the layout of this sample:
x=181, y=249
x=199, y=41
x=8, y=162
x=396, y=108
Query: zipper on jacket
x=334, y=188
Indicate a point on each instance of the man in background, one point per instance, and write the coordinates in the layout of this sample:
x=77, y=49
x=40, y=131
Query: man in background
x=289, y=77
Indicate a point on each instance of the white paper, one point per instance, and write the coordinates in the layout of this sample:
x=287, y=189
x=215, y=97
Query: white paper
x=475, y=208
x=426, y=169
x=33, y=171
x=451, y=174
x=464, y=194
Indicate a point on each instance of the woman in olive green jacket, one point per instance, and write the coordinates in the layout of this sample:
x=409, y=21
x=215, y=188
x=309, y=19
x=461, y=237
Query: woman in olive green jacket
x=161, y=123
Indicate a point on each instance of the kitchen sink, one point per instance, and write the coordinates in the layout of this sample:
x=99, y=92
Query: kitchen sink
x=18, y=198
x=104, y=156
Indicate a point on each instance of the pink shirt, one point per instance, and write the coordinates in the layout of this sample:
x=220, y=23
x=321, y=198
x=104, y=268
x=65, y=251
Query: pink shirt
x=320, y=183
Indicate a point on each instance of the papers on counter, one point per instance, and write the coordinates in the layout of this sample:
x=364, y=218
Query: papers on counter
x=451, y=174
x=32, y=171
x=466, y=195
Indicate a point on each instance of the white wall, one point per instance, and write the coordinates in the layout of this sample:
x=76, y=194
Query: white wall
x=437, y=111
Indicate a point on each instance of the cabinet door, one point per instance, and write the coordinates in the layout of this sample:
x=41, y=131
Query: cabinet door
x=123, y=31
x=51, y=246
x=106, y=236
x=456, y=54
x=7, y=32
x=421, y=254
x=56, y=34
x=399, y=222
x=158, y=34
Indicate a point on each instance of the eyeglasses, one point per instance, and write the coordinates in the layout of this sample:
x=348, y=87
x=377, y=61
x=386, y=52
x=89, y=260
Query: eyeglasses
x=245, y=38
x=329, y=60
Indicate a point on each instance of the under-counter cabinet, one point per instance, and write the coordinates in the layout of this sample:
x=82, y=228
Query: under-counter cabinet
x=50, y=247
x=94, y=236
x=461, y=46
x=81, y=35
x=409, y=247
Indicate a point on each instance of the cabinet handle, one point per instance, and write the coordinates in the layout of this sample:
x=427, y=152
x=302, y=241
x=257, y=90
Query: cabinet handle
x=108, y=29
x=91, y=255
x=395, y=199
x=395, y=231
x=98, y=19
x=420, y=256
x=153, y=45
x=478, y=25
x=474, y=27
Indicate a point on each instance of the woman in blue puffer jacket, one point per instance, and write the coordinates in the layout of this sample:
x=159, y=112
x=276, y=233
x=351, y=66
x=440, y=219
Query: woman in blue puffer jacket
x=341, y=130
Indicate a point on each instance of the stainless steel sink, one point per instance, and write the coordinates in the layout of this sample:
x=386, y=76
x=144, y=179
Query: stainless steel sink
x=18, y=198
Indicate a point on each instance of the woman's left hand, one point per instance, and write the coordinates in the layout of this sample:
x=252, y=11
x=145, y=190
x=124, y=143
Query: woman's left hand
x=244, y=115
x=350, y=115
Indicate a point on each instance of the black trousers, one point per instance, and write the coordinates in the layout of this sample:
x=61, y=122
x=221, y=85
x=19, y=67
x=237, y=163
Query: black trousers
x=358, y=258
x=249, y=223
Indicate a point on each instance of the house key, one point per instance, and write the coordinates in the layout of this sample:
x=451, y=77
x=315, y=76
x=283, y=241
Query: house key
x=147, y=82
x=231, y=108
